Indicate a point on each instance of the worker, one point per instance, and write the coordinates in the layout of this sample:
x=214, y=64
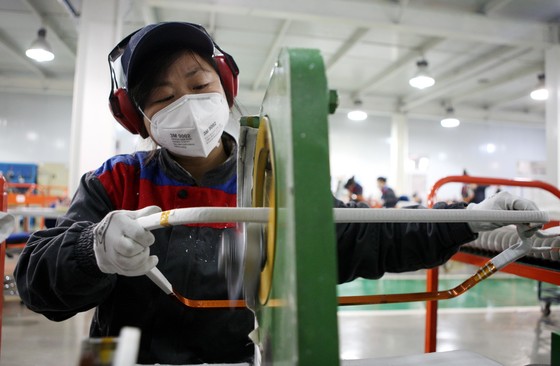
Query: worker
x=355, y=190
x=179, y=89
x=388, y=197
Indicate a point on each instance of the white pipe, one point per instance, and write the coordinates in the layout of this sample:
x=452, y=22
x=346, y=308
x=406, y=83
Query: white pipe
x=548, y=233
x=362, y=215
x=431, y=215
x=261, y=215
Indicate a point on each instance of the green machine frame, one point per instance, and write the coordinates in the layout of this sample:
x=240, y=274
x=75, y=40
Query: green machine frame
x=303, y=329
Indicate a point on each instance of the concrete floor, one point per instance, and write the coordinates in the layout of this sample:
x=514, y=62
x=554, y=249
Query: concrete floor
x=509, y=335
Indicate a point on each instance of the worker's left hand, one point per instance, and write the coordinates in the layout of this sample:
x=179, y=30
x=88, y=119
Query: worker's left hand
x=503, y=201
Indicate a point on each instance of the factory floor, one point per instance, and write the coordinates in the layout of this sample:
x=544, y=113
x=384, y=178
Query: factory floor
x=500, y=318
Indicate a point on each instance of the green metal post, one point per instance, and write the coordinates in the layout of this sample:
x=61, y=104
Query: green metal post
x=304, y=330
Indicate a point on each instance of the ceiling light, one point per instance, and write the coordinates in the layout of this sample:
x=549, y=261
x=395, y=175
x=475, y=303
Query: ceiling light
x=450, y=120
x=422, y=79
x=40, y=49
x=490, y=148
x=540, y=92
x=357, y=114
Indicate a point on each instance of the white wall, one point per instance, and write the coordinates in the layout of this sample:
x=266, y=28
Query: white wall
x=34, y=128
x=362, y=149
x=359, y=149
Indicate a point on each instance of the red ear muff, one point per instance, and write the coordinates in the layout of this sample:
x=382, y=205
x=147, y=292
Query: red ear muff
x=126, y=113
x=228, y=71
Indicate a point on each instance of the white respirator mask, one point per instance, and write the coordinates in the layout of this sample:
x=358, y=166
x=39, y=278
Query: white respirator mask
x=192, y=125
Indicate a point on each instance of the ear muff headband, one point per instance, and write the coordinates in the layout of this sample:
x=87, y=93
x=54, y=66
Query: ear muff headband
x=127, y=113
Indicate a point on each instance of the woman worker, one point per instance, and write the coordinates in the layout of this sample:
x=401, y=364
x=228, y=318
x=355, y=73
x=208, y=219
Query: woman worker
x=179, y=88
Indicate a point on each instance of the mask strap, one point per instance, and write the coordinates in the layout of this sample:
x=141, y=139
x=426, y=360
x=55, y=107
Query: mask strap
x=144, y=114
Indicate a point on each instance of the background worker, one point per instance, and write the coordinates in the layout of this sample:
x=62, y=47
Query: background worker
x=355, y=190
x=388, y=197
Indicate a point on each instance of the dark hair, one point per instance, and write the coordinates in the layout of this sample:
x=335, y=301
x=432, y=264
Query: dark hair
x=382, y=179
x=349, y=182
x=151, y=69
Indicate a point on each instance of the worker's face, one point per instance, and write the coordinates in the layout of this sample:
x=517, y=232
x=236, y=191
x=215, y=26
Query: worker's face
x=189, y=74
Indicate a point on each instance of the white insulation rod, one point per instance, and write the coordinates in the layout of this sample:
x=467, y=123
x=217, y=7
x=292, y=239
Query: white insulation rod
x=198, y=215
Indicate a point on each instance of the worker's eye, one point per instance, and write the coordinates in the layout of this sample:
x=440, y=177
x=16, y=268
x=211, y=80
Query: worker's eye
x=201, y=86
x=161, y=99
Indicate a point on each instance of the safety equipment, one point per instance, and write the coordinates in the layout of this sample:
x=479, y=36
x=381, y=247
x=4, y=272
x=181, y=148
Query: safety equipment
x=147, y=41
x=121, y=245
x=503, y=201
x=192, y=125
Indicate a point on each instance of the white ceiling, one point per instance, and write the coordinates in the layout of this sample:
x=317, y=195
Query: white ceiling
x=484, y=54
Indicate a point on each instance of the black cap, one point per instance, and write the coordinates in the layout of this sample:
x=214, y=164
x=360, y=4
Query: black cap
x=155, y=37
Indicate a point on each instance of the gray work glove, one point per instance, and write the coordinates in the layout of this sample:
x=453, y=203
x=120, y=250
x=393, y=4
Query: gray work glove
x=7, y=225
x=122, y=246
x=503, y=201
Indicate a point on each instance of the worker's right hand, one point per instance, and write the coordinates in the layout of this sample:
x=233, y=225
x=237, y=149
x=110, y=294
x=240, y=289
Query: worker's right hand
x=503, y=201
x=122, y=246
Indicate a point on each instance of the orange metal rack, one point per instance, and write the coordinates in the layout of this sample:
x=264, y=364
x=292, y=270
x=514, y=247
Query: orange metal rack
x=519, y=269
x=31, y=194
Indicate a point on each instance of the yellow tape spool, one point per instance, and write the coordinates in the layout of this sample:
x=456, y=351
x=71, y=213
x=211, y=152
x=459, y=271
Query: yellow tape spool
x=264, y=195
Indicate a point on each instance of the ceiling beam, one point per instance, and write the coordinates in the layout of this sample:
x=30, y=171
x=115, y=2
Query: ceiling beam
x=492, y=6
x=420, y=21
x=508, y=98
x=489, y=117
x=272, y=54
x=350, y=42
x=386, y=107
x=403, y=61
x=454, y=78
x=521, y=72
x=71, y=10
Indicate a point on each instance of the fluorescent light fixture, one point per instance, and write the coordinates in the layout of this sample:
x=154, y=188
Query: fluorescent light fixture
x=357, y=114
x=450, y=121
x=490, y=148
x=540, y=92
x=422, y=79
x=40, y=49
